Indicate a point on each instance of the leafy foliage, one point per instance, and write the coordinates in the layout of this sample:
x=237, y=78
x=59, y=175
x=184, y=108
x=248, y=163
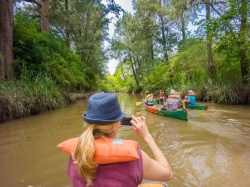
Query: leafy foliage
x=46, y=53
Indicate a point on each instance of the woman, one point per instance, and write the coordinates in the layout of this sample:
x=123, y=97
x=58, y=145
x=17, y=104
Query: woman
x=162, y=97
x=190, y=99
x=148, y=98
x=103, y=122
x=172, y=102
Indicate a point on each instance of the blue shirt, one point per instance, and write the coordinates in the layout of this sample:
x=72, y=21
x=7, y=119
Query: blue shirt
x=192, y=100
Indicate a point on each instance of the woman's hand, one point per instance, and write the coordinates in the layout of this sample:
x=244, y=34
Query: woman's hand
x=156, y=168
x=139, y=126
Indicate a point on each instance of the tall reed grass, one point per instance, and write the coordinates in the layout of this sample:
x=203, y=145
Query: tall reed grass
x=227, y=94
x=218, y=92
x=29, y=96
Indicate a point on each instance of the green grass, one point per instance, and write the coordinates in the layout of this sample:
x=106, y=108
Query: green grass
x=27, y=97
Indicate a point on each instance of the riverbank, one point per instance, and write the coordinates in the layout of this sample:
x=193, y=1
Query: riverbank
x=22, y=103
x=25, y=98
x=78, y=96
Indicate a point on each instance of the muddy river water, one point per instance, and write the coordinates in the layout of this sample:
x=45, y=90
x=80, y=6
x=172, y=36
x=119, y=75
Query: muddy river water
x=212, y=148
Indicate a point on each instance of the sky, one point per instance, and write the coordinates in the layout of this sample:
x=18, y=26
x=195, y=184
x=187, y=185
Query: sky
x=127, y=6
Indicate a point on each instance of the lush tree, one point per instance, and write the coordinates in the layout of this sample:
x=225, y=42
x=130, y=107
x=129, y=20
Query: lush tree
x=243, y=42
x=232, y=39
x=179, y=12
x=207, y=6
x=165, y=29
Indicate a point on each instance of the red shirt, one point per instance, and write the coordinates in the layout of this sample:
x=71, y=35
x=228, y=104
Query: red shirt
x=122, y=174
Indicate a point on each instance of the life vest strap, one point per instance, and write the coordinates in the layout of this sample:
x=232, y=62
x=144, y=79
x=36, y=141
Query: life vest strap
x=192, y=94
x=173, y=96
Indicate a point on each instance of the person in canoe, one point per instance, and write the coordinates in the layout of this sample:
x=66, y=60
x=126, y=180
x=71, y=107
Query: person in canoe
x=172, y=102
x=116, y=166
x=148, y=98
x=190, y=99
x=178, y=93
x=162, y=97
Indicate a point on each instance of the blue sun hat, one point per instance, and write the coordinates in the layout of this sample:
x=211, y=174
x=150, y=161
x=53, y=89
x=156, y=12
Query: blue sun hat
x=103, y=108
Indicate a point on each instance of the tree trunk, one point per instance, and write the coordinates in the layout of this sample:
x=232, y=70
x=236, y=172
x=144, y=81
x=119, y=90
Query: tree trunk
x=67, y=24
x=244, y=60
x=183, y=29
x=45, y=16
x=44, y=19
x=164, y=41
x=210, y=64
x=132, y=65
x=6, y=39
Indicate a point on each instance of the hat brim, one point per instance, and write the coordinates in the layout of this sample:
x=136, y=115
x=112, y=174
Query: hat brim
x=101, y=121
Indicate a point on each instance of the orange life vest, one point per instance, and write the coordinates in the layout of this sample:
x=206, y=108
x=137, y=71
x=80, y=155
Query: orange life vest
x=173, y=96
x=107, y=150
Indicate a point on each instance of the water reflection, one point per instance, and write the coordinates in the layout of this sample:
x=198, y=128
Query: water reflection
x=211, y=149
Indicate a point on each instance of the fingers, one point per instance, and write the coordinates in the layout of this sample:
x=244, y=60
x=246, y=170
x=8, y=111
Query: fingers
x=139, y=126
x=143, y=118
x=138, y=120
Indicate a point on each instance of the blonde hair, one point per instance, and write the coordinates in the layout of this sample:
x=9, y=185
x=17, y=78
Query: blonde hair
x=84, y=152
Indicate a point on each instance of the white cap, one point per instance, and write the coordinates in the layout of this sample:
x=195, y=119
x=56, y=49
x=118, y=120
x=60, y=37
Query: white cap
x=172, y=92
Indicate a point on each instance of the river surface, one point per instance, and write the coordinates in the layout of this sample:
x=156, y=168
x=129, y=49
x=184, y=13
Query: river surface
x=212, y=148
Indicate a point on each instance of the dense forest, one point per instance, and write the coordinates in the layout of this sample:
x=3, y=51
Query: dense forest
x=50, y=49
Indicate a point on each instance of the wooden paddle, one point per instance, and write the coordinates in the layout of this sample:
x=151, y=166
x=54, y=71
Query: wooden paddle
x=184, y=104
x=138, y=103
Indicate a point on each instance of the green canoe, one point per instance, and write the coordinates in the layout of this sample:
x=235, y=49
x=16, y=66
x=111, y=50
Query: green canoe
x=178, y=114
x=196, y=107
x=156, y=102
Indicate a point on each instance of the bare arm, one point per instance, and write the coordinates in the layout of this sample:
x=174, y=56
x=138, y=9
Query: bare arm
x=166, y=103
x=158, y=168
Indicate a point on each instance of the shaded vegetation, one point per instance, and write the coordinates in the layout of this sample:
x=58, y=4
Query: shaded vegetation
x=43, y=52
x=46, y=72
